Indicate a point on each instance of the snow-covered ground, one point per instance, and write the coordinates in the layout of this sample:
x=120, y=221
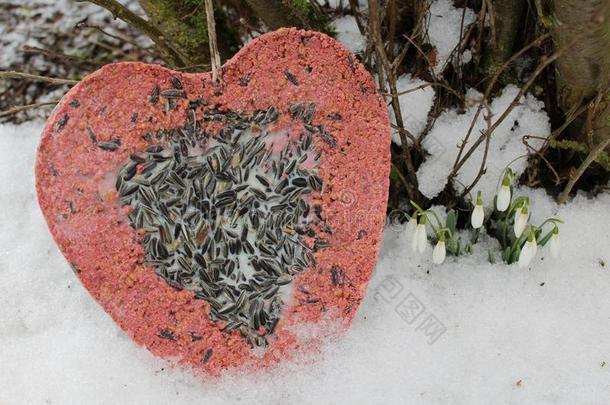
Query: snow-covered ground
x=466, y=332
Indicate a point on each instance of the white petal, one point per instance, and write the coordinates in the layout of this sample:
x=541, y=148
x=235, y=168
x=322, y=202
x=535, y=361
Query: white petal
x=503, y=198
x=520, y=223
x=414, y=239
x=476, y=220
x=554, y=245
x=439, y=253
x=527, y=254
x=411, y=226
x=422, y=238
x=534, y=247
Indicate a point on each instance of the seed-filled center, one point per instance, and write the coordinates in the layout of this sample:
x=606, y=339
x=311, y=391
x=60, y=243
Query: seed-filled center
x=224, y=214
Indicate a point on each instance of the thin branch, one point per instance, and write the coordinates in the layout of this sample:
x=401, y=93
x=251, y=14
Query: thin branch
x=563, y=197
x=82, y=25
x=214, y=55
x=423, y=54
x=10, y=74
x=506, y=112
x=482, y=168
x=459, y=160
x=56, y=55
x=354, y=6
x=384, y=67
x=172, y=55
x=540, y=155
x=428, y=84
x=20, y=108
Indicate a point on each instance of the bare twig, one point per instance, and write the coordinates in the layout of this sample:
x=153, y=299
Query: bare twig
x=82, y=25
x=20, y=108
x=563, y=197
x=385, y=68
x=10, y=74
x=488, y=133
x=459, y=161
x=423, y=54
x=424, y=85
x=214, y=55
x=540, y=155
x=170, y=53
x=56, y=55
x=354, y=6
x=482, y=168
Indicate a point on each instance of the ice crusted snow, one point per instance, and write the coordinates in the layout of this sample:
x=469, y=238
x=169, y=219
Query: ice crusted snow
x=527, y=118
x=499, y=334
x=414, y=104
x=444, y=25
x=349, y=34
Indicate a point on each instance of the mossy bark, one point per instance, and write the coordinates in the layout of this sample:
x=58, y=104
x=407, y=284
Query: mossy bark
x=500, y=45
x=583, y=70
x=290, y=13
x=184, y=23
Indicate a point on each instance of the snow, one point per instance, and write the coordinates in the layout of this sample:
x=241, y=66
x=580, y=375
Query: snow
x=414, y=104
x=527, y=118
x=497, y=333
x=349, y=34
x=444, y=26
x=335, y=4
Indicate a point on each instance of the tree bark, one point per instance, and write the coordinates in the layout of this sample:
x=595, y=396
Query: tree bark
x=184, y=23
x=290, y=13
x=583, y=71
x=505, y=19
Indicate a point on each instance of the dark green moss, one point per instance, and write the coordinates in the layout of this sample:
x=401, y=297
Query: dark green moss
x=185, y=24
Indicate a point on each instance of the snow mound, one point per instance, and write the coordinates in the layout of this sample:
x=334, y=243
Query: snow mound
x=444, y=25
x=527, y=118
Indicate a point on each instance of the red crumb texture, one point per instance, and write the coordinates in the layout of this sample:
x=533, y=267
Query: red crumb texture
x=75, y=184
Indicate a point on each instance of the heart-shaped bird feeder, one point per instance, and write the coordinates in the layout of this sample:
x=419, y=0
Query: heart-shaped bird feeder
x=218, y=222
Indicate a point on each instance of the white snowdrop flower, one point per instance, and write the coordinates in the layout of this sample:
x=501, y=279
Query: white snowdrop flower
x=554, y=243
x=521, y=217
x=439, y=253
x=478, y=215
x=503, y=196
x=414, y=239
x=420, y=238
x=528, y=251
x=411, y=226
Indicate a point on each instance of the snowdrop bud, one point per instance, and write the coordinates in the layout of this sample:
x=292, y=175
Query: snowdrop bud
x=503, y=197
x=439, y=252
x=554, y=243
x=529, y=250
x=476, y=220
x=521, y=217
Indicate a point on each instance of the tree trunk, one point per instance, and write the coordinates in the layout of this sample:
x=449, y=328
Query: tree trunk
x=505, y=21
x=184, y=22
x=583, y=70
x=290, y=13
